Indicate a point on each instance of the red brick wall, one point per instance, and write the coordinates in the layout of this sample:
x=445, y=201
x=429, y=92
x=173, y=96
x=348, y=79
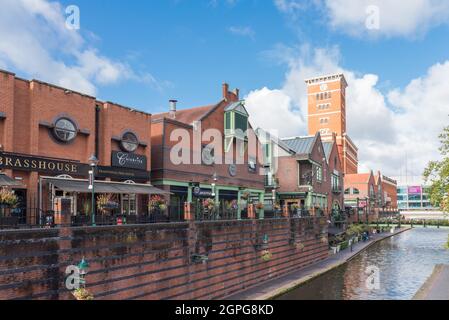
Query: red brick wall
x=338, y=167
x=154, y=261
x=114, y=122
x=29, y=106
x=162, y=146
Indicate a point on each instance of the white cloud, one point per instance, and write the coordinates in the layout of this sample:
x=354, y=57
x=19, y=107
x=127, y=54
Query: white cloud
x=36, y=41
x=387, y=128
x=242, y=31
x=274, y=110
x=396, y=18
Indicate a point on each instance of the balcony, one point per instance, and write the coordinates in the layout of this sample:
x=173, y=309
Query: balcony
x=337, y=190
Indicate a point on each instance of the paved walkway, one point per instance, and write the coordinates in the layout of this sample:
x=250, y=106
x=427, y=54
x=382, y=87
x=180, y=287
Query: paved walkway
x=278, y=286
x=437, y=286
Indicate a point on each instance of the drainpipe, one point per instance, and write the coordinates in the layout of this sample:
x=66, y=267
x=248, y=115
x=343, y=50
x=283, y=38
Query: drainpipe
x=97, y=130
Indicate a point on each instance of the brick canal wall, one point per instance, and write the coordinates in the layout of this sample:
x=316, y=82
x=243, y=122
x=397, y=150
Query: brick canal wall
x=155, y=261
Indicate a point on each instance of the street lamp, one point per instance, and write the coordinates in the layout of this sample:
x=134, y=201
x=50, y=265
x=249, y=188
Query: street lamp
x=93, y=162
x=214, y=184
x=83, y=267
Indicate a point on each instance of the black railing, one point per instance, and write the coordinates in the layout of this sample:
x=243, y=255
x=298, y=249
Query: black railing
x=215, y=213
x=21, y=218
x=271, y=213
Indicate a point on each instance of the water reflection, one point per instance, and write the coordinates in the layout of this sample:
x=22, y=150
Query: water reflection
x=405, y=262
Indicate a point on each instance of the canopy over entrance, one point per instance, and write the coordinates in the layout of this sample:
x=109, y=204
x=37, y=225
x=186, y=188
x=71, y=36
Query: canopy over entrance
x=82, y=186
x=6, y=181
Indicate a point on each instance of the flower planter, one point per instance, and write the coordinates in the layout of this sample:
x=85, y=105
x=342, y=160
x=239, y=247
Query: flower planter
x=266, y=255
x=82, y=294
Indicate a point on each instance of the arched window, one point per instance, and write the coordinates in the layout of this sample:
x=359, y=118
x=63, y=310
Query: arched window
x=348, y=191
x=355, y=191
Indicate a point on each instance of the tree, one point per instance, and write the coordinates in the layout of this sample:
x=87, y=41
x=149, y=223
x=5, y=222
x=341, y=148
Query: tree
x=437, y=174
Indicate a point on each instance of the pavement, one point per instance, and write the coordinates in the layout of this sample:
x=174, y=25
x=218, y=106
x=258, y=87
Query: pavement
x=278, y=286
x=437, y=286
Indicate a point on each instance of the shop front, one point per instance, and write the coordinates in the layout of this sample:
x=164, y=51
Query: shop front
x=60, y=183
x=210, y=201
x=100, y=202
x=303, y=203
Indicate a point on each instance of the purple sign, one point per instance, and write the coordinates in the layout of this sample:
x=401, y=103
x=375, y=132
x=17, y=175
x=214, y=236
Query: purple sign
x=414, y=190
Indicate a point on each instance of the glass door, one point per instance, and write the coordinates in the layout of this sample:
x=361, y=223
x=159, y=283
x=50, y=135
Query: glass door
x=129, y=204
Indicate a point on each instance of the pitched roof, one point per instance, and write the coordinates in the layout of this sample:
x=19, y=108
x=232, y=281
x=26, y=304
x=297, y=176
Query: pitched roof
x=327, y=146
x=237, y=106
x=266, y=135
x=301, y=145
x=187, y=116
x=357, y=178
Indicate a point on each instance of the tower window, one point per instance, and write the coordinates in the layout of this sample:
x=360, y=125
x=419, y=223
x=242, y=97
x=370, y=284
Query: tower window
x=324, y=120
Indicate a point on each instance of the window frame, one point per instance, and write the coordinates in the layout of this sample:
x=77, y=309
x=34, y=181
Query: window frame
x=65, y=130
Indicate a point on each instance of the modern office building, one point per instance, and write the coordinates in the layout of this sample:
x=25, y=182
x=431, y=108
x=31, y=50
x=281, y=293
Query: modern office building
x=414, y=197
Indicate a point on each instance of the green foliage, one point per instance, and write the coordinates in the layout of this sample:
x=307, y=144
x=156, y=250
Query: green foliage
x=447, y=244
x=437, y=174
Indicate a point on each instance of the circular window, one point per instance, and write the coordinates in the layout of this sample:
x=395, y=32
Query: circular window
x=129, y=142
x=65, y=130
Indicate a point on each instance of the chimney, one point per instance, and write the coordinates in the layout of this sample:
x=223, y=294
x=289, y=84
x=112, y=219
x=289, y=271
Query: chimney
x=173, y=108
x=225, y=91
x=237, y=93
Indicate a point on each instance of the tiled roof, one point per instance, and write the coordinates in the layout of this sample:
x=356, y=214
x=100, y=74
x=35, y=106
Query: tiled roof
x=260, y=132
x=187, y=116
x=327, y=146
x=357, y=178
x=301, y=145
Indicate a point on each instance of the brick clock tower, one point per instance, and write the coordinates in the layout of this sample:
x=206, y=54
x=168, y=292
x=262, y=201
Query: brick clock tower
x=327, y=114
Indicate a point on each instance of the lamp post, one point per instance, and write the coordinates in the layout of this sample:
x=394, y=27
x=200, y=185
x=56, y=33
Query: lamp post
x=214, y=183
x=93, y=162
x=83, y=267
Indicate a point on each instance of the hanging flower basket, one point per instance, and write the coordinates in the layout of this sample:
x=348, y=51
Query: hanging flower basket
x=209, y=204
x=106, y=202
x=260, y=206
x=299, y=246
x=7, y=198
x=245, y=195
x=266, y=255
x=156, y=201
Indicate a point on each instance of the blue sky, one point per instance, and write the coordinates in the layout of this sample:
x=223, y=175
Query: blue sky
x=188, y=44
x=395, y=57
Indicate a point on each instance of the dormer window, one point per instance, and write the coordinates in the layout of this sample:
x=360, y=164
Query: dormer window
x=235, y=123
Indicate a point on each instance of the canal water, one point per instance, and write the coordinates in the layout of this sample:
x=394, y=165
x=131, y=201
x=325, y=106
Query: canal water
x=404, y=262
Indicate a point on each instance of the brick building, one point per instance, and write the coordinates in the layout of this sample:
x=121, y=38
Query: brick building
x=388, y=190
x=361, y=192
x=47, y=136
x=327, y=115
x=214, y=175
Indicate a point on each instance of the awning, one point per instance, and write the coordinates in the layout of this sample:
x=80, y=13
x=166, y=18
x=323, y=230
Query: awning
x=6, y=181
x=82, y=186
